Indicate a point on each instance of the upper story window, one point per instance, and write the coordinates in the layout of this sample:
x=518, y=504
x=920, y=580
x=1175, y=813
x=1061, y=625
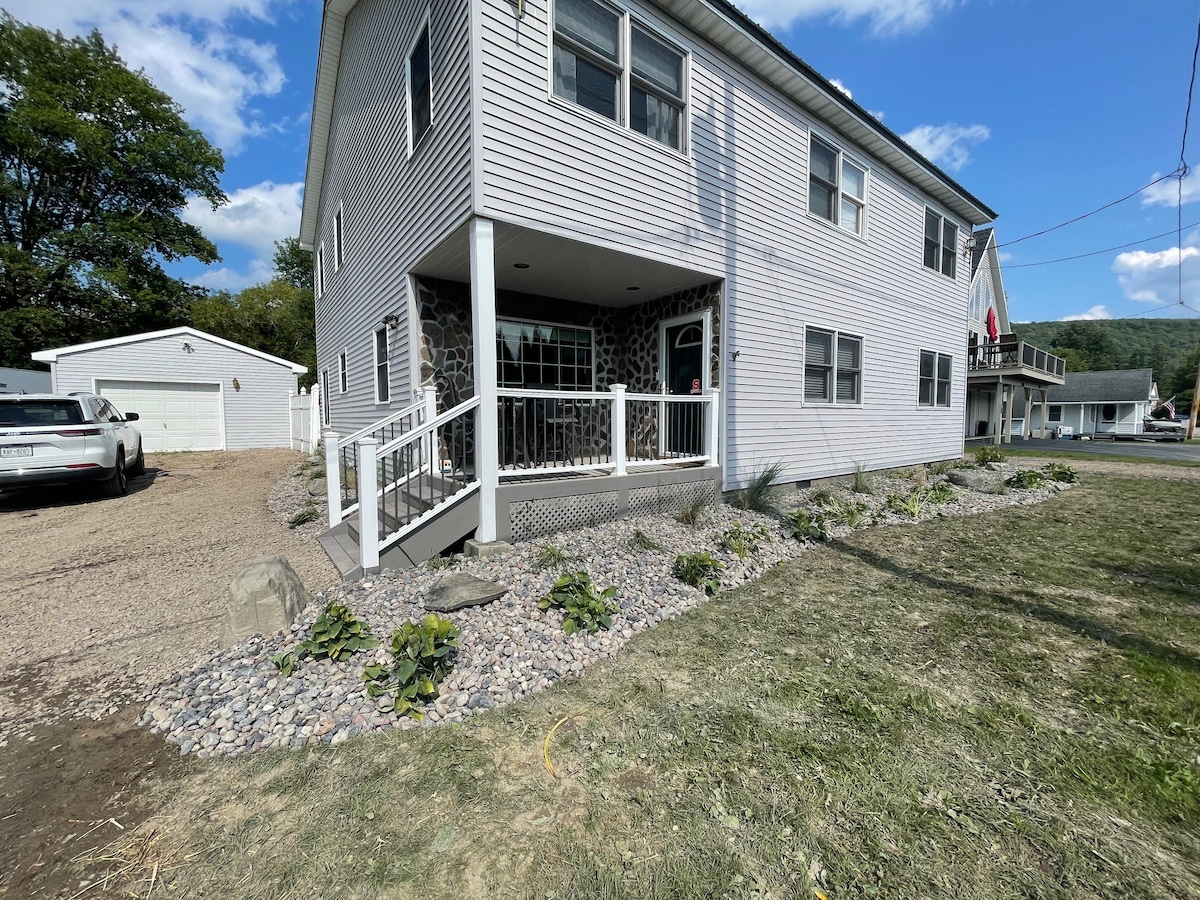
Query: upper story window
x=643, y=89
x=420, y=90
x=837, y=188
x=832, y=367
x=941, y=243
x=935, y=378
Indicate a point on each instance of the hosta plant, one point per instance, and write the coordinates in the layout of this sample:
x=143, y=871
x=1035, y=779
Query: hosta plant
x=585, y=608
x=804, y=527
x=1026, y=479
x=742, y=541
x=422, y=655
x=1061, y=472
x=336, y=635
x=941, y=492
x=699, y=570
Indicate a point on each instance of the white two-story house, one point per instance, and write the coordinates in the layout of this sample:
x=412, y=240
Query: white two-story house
x=578, y=258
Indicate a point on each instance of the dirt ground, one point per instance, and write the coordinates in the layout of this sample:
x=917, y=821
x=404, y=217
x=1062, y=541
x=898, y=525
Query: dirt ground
x=103, y=599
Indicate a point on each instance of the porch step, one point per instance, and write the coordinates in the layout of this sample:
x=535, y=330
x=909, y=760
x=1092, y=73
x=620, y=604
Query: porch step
x=414, y=501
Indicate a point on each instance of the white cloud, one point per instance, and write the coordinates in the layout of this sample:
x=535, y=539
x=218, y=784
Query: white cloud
x=188, y=49
x=885, y=17
x=227, y=279
x=255, y=217
x=947, y=145
x=1004, y=256
x=1166, y=193
x=1153, y=277
x=1096, y=312
x=841, y=87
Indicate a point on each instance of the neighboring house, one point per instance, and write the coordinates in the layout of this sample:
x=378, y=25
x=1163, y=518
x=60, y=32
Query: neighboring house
x=1005, y=376
x=192, y=391
x=519, y=207
x=1100, y=403
x=23, y=381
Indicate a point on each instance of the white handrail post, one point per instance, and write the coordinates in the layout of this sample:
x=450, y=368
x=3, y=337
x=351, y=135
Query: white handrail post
x=712, y=435
x=430, y=398
x=368, y=506
x=333, y=478
x=619, y=438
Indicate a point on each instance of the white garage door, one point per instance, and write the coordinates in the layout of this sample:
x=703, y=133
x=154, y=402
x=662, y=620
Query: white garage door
x=173, y=416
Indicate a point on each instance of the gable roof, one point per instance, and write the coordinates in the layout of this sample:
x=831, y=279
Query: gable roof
x=725, y=27
x=50, y=356
x=979, y=249
x=1117, y=386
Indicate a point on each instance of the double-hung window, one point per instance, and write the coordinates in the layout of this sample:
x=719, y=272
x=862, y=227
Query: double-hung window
x=319, y=265
x=642, y=87
x=837, y=188
x=420, y=90
x=343, y=373
x=383, y=375
x=941, y=243
x=935, y=377
x=325, y=417
x=832, y=367
x=337, y=240
x=1054, y=414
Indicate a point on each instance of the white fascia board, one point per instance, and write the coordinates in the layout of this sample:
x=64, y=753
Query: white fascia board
x=52, y=356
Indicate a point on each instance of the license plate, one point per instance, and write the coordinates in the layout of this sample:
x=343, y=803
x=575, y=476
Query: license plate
x=15, y=452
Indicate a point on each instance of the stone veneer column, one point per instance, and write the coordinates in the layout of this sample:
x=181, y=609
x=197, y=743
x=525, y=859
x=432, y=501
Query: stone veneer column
x=483, y=331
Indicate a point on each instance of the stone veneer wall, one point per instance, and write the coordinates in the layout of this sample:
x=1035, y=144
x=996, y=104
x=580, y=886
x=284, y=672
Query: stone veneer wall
x=626, y=339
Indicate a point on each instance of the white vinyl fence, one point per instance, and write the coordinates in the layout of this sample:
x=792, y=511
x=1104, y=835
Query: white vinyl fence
x=305, y=413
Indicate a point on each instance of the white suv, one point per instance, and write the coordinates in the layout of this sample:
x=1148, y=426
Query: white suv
x=62, y=438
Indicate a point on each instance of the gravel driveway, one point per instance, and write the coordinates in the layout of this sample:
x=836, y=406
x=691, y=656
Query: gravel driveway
x=104, y=598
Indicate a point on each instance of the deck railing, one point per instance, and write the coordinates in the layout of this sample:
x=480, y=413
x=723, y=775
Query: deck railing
x=1014, y=354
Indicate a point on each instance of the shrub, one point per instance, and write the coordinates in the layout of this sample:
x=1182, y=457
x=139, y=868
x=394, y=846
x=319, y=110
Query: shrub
x=586, y=610
x=740, y=541
x=1026, y=479
x=862, y=481
x=988, y=453
x=551, y=557
x=801, y=526
x=692, y=512
x=642, y=542
x=756, y=495
x=421, y=658
x=1062, y=472
x=941, y=492
x=336, y=635
x=699, y=570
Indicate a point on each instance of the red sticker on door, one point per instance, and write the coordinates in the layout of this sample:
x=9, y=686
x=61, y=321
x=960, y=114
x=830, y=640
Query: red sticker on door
x=695, y=385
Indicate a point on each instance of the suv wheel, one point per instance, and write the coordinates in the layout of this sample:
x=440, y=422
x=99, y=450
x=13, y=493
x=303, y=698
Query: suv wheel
x=139, y=464
x=118, y=484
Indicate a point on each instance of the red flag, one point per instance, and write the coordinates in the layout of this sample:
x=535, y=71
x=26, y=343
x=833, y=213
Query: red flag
x=993, y=327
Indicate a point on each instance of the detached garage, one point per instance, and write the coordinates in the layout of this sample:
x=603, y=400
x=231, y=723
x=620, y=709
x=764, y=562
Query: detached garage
x=192, y=391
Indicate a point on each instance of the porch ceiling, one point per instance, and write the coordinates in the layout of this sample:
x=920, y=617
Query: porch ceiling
x=562, y=268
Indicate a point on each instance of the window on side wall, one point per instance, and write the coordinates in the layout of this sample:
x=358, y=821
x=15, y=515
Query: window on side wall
x=1054, y=414
x=383, y=375
x=343, y=380
x=319, y=266
x=325, y=420
x=832, y=367
x=587, y=56
x=941, y=243
x=837, y=187
x=420, y=90
x=337, y=240
x=935, y=379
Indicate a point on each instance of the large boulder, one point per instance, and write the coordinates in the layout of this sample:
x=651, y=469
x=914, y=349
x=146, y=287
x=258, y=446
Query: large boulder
x=266, y=596
x=461, y=590
x=986, y=481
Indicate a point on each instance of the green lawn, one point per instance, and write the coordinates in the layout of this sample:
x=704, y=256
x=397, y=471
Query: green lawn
x=999, y=706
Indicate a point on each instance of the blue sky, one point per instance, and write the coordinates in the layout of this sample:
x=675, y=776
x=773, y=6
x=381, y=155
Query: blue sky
x=1044, y=110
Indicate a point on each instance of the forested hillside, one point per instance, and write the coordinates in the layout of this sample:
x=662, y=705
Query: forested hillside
x=1169, y=346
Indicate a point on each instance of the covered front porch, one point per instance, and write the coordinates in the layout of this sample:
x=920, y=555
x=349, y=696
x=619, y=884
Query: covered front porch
x=561, y=385
x=1001, y=374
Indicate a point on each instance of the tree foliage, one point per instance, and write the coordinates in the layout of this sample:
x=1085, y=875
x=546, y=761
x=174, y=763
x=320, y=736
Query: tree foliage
x=98, y=164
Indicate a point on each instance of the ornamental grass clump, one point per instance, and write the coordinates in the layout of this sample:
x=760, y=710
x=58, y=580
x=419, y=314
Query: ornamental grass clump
x=336, y=635
x=911, y=504
x=422, y=655
x=699, y=570
x=756, y=495
x=585, y=608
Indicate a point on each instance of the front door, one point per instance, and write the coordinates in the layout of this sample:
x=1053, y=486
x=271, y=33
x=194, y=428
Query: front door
x=684, y=356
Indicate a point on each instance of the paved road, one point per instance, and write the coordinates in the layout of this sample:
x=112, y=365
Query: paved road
x=1151, y=450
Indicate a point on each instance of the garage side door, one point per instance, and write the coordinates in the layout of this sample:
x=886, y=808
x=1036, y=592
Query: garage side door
x=173, y=416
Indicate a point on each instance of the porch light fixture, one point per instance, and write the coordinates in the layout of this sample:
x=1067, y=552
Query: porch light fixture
x=520, y=265
x=391, y=320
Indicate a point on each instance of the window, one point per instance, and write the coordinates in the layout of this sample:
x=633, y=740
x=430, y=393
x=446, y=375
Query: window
x=337, y=240
x=1054, y=414
x=935, y=379
x=383, y=375
x=325, y=397
x=831, y=377
x=981, y=298
x=941, y=243
x=554, y=356
x=420, y=90
x=837, y=188
x=1108, y=414
x=319, y=265
x=590, y=70
x=342, y=373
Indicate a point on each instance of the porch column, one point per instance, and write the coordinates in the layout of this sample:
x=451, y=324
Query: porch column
x=1027, y=428
x=1008, y=409
x=619, y=432
x=998, y=413
x=483, y=336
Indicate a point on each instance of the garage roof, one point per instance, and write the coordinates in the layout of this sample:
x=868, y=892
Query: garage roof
x=50, y=356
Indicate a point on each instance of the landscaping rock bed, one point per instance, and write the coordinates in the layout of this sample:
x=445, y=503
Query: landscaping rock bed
x=237, y=701
x=299, y=502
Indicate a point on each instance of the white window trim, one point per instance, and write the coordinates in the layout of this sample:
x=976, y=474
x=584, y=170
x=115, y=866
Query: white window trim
x=862, y=367
x=325, y=416
x=958, y=230
x=937, y=355
x=516, y=320
x=387, y=363
x=842, y=155
x=338, y=238
x=622, y=123
x=319, y=270
x=1051, y=409
x=422, y=27
x=344, y=370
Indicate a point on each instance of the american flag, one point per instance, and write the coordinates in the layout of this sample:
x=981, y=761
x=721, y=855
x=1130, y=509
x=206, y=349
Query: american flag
x=1170, y=407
